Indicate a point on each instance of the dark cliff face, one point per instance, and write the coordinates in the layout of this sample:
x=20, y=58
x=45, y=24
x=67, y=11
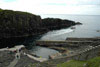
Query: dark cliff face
x=15, y=23
x=16, y=26
x=56, y=23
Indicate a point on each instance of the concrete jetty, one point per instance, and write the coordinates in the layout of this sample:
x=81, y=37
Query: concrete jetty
x=73, y=42
x=76, y=47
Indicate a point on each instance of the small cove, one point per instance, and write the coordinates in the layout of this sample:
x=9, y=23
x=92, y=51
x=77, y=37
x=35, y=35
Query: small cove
x=46, y=52
x=88, y=30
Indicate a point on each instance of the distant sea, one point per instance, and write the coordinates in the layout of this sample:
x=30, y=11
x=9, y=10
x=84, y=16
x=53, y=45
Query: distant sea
x=91, y=24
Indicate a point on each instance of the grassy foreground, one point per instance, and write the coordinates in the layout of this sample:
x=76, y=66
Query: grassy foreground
x=95, y=62
x=72, y=63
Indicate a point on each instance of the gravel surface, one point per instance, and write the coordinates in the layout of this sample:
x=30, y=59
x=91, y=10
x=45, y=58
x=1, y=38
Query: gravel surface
x=24, y=61
x=5, y=58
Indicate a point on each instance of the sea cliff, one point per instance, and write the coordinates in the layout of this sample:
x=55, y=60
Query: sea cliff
x=17, y=25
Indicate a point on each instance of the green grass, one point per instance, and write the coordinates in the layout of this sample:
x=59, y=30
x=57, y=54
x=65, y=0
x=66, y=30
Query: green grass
x=95, y=62
x=0, y=9
x=72, y=63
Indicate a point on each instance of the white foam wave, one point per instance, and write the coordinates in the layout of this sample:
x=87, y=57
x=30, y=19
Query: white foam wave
x=56, y=33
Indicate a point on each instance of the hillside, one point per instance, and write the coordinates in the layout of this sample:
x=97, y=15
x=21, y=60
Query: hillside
x=56, y=23
x=95, y=62
x=17, y=26
x=17, y=23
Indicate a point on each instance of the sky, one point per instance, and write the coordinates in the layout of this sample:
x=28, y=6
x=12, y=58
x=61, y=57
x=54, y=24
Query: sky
x=85, y=7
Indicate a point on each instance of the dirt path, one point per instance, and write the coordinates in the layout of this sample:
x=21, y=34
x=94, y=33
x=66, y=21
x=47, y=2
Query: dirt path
x=13, y=63
x=37, y=59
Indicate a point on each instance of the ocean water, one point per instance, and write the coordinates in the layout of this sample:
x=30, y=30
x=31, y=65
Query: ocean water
x=43, y=51
x=91, y=24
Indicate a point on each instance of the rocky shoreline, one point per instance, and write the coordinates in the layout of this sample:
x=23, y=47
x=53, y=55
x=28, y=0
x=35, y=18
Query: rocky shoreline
x=28, y=59
x=8, y=57
x=17, y=24
x=73, y=47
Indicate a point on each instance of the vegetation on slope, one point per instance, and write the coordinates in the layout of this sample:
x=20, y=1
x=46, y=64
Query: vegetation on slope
x=14, y=23
x=17, y=23
x=72, y=63
x=95, y=62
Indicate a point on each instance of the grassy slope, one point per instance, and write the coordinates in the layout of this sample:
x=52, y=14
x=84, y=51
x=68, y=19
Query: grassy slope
x=95, y=62
x=72, y=63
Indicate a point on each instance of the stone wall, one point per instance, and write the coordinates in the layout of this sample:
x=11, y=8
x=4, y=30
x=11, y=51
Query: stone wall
x=82, y=55
x=67, y=43
x=88, y=54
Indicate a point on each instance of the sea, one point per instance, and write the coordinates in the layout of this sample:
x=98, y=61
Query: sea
x=90, y=27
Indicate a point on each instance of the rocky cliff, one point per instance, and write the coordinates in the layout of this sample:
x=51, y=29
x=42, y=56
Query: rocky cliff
x=56, y=23
x=16, y=23
x=17, y=26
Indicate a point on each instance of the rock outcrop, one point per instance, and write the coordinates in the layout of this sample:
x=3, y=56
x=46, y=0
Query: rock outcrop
x=18, y=25
x=56, y=23
x=15, y=23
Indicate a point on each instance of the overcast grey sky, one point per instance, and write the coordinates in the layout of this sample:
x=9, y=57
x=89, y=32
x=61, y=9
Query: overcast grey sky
x=91, y=7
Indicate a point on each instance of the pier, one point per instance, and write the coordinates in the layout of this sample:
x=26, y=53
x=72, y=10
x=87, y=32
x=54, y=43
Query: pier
x=73, y=42
x=78, y=48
